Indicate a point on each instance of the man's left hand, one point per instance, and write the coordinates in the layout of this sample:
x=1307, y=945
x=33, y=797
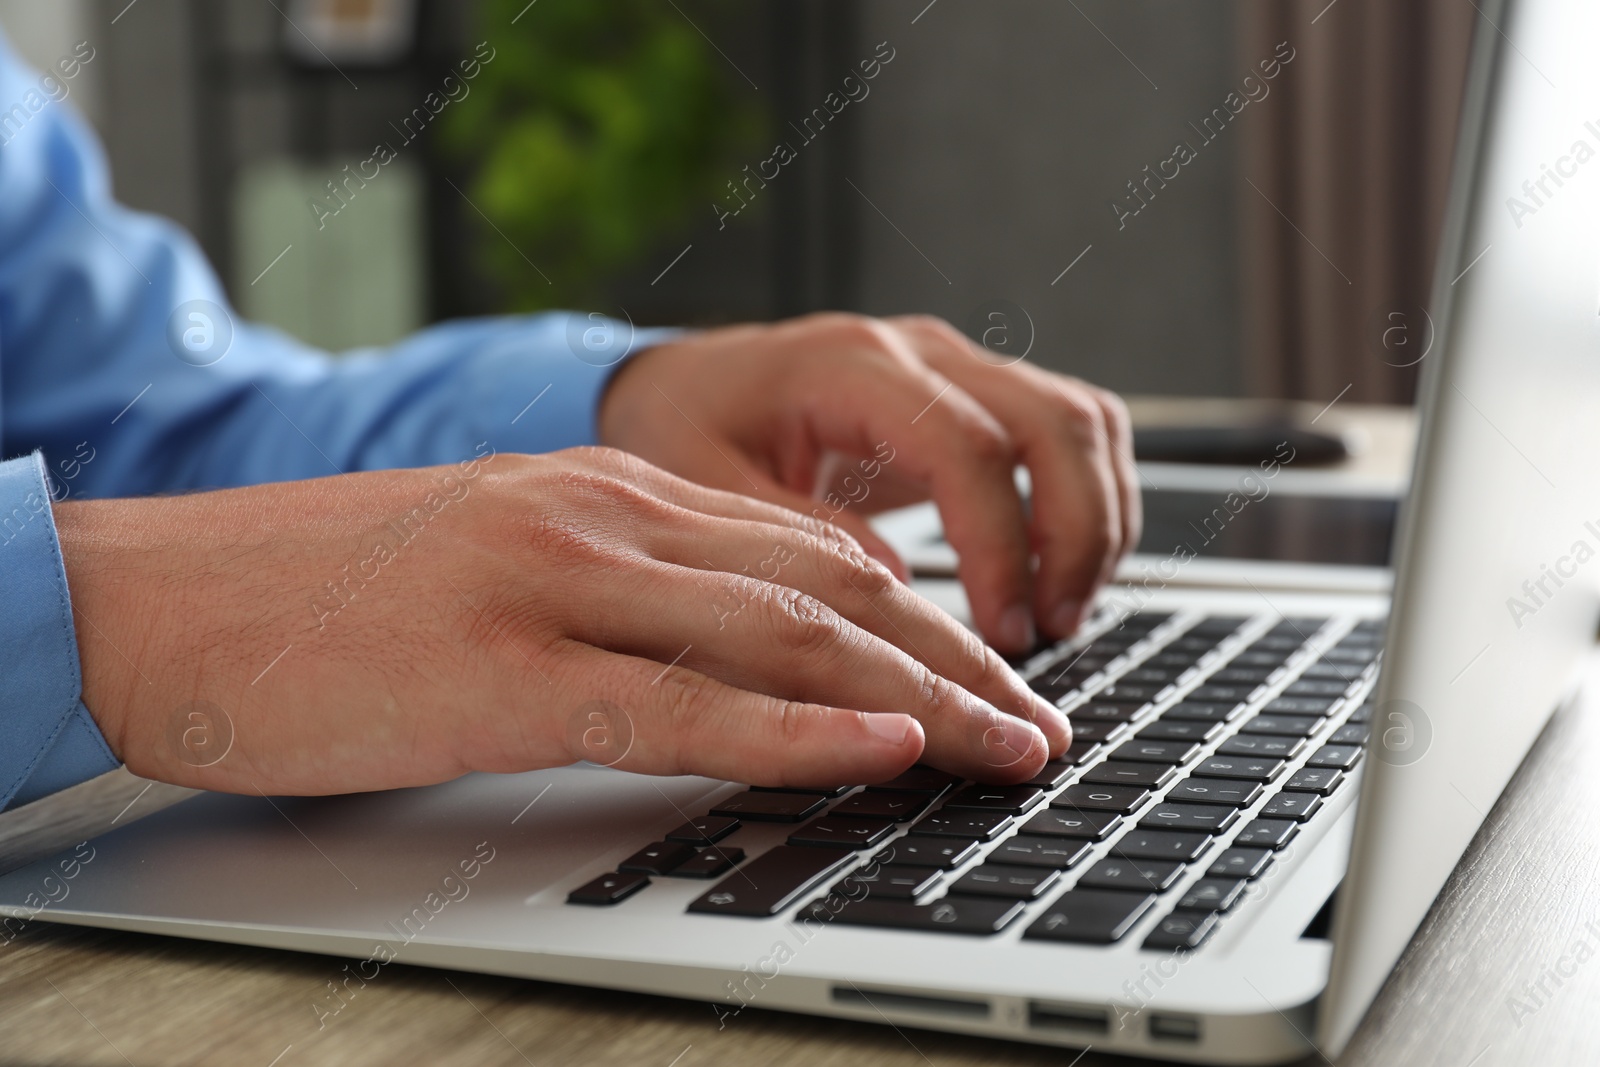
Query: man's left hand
x=841, y=416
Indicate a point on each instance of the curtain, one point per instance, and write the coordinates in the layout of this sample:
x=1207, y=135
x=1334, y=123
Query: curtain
x=1344, y=173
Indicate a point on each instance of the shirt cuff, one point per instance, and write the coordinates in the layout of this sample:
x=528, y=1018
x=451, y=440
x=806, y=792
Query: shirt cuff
x=544, y=383
x=48, y=740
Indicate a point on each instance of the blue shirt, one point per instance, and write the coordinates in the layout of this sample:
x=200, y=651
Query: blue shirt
x=123, y=371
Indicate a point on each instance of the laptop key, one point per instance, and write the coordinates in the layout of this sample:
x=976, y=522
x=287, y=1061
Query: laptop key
x=1282, y=725
x=771, y=807
x=709, y=862
x=1165, y=729
x=771, y=882
x=1241, y=863
x=1146, y=675
x=952, y=915
x=1296, y=806
x=1094, y=729
x=1003, y=880
x=608, y=889
x=1182, y=931
x=1148, y=876
x=1052, y=774
x=843, y=831
x=1299, y=705
x=821, y=790
x=1156, y=751
x=1026, y=850
x=1266, y=833
x=887, y=882
x=1012, y=799
x=978, y=825
x=1260, y=657
x=1213, y=894
x=917, y=780
x=1261, y=745
x=1317, y=687
x=901, y=807
x=1342, y=757
x=1320, y=780
x=1227, y=791
x=1122, y=799
x=1362, y=714
x=1059, y=822
x=1195, y=711
x=1246, y=767
x=1130, y=693
x=1331, y=670
x=1080, y=752
x=1142, y=844
x=1222, y=694
x=1202, y=818
x=1104, y=711
x=945, y=853
x=1117, y=772
x=1354, y=733
x=704, y=830
x=660, y=858
x=1244, y=676
x=1090, y=916
x=1218, y=625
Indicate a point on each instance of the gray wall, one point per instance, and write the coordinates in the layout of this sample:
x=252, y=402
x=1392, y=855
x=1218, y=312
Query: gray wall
x=996, y=139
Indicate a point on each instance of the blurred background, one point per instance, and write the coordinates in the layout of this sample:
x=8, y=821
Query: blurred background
x=358, y=168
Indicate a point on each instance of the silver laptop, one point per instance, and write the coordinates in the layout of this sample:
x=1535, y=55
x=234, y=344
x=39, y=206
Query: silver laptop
x=1231, y=858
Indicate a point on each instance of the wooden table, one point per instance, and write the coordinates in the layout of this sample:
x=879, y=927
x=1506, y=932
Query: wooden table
x=1467, y=994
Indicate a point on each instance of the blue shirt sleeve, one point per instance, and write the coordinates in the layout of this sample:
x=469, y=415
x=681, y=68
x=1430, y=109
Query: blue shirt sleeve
x=122, y=363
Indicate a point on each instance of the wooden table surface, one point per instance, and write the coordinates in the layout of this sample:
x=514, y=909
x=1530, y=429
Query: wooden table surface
x=1501, y=972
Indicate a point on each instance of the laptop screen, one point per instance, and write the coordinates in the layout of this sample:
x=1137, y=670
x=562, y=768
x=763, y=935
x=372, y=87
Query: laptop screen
x=1498, y=551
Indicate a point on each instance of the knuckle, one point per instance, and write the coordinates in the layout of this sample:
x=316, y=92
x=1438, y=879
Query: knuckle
x=988, y=442
x=863, y=574
x=687, y=703
x=939, y=693
x=792, y=721
x=562, y=543
x=602, y=458
x=803, y=626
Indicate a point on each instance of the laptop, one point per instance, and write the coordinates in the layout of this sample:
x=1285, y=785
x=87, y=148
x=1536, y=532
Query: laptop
x=1269, y=787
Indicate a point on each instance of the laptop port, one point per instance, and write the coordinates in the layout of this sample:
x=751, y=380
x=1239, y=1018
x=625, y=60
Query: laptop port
x=1184, y=1028
x=1078, y=1020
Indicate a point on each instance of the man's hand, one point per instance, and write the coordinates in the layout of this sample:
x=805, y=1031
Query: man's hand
x=796, y=412
x=401, y=628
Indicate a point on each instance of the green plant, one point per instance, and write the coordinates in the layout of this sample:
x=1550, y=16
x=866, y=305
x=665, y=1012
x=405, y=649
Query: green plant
x=597, y=130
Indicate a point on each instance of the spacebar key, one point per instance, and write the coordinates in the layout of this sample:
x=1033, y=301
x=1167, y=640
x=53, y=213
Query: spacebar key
x=952, y=915
x=772, y=881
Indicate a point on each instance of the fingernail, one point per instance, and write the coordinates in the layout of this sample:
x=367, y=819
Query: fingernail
x=1064, y=620
x=1016, y=628
x=891, y=728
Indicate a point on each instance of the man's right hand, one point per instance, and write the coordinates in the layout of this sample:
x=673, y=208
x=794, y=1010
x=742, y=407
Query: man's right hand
x=400, y=628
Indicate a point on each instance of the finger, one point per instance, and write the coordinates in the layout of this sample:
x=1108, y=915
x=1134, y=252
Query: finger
x=772, y=503
x=1077, y=505
x=761, y=637
x=836, y=509
x=868, y=391
x=868, y=596
x=638, y=716
x=1059, y=428
x=1119, y=431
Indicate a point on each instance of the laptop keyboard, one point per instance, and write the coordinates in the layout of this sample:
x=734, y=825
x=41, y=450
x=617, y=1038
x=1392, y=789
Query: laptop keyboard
x=1202, y=746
